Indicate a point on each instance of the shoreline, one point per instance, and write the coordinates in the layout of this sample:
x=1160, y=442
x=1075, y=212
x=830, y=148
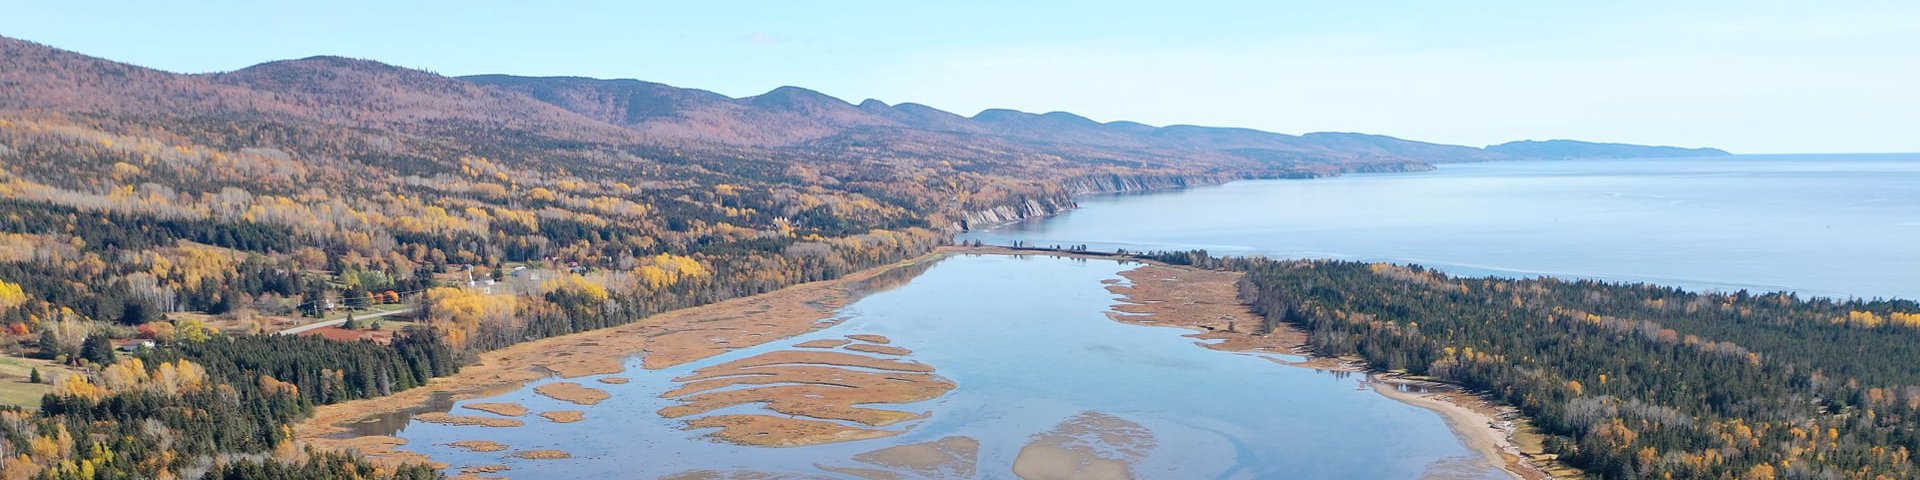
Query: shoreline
x=666, y=339
x=1207, y=301
x=1468, y=416
x=1159, y=294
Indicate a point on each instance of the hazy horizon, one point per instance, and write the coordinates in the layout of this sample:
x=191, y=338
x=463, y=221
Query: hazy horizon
x=1780, y=77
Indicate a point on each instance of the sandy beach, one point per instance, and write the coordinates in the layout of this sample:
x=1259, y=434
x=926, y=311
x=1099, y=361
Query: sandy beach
x=1207, y=301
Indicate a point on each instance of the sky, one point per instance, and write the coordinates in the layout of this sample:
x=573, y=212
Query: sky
x=1753, y=76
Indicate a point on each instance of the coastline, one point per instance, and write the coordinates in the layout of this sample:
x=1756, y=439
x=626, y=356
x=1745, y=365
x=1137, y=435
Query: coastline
x=1156, y=294
x=1207, y=301
x=666, y=339
x=1474, y=420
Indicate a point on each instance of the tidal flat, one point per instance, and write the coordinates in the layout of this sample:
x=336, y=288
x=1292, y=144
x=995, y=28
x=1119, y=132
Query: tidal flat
x=997, y=365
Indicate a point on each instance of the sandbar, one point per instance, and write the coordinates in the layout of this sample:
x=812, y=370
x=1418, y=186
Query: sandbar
x=880, y=349
x=505, y=409
x=542, y=454
x=573, y=392
x=1207, y=301
x=823, y=343
x=1089, y=446
x=870, y=338
x=467, y=420
x=812, y=387
x=479, y=445
x=565, y=416
x=669, y=338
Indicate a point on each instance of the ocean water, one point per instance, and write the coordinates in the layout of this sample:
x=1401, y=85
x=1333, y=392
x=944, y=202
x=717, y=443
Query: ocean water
x=1028, y=343
x=1827, y=225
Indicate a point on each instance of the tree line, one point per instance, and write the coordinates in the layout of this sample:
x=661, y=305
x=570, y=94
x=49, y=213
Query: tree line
x=1629, y=380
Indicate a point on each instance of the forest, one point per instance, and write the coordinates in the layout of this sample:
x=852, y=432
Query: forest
x=153, y=249
x=111, y=239
x=159, y=230
x=1630, y=380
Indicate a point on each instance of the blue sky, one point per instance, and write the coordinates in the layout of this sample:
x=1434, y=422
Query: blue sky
x=1748, y=76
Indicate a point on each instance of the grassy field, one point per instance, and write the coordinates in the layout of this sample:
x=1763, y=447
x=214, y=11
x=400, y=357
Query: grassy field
x=14, y=372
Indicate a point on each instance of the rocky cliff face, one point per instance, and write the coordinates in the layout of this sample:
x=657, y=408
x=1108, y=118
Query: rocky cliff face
x=1033, y=207
x=1005, y=214
x=1117, y=183
x=1123, y=183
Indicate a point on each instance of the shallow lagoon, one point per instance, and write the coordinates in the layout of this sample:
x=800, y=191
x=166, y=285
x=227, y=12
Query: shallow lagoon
x=1829, y=225
x=1029, y=344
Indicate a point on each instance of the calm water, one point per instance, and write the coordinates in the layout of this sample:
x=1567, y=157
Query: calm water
x=1831, y=225
x=1029, y=344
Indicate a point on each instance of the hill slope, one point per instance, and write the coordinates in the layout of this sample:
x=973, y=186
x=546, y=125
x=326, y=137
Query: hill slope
x=1560, y=149
x=794, y=117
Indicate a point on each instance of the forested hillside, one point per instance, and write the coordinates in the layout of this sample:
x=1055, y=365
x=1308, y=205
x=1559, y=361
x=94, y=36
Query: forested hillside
x=201, y=214
x=158, y=229
x=1631, y=381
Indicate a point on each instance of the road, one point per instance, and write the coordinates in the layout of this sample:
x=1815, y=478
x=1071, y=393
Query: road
x=304, y=328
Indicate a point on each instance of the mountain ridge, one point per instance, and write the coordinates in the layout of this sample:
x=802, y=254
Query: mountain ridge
x=1560, y=148
x=789, y=116
x=783, y=122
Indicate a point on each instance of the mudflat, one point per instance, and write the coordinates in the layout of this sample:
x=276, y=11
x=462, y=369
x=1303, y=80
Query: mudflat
x=667, y=339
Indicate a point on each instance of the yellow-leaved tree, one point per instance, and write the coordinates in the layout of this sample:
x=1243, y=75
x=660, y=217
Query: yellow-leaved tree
x=458, y=312
x=11, y=295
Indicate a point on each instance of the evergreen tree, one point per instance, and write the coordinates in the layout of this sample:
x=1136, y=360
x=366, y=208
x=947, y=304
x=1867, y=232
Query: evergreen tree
x=314, y=299
x=50, y=344
x=35, y=376
x=97, y=349
x=357, y=297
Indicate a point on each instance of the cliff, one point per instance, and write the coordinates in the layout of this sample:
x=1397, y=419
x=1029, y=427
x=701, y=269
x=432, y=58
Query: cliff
x=1034, y=207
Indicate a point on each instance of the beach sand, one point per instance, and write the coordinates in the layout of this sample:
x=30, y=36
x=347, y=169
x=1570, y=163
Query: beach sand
x=1207, y=301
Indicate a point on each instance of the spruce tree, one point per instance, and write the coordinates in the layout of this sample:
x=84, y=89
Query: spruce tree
x=97, y=349
x=49, y=344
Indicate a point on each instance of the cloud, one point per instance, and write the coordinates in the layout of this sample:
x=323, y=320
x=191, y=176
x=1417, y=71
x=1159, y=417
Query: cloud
x=763, y=38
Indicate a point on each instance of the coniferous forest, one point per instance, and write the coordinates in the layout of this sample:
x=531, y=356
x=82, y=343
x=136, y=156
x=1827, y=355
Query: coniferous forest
x=159, y=231
x=1630, y=380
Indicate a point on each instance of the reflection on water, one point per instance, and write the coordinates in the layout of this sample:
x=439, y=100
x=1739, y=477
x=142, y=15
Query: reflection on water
x=889, y=279
x=1029, y=345
x=390, y=423
x=1831, y=225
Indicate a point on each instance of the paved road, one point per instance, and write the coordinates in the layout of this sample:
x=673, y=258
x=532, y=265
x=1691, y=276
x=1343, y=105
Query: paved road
x=304, y=328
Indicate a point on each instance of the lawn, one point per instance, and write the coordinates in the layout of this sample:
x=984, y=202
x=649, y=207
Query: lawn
x=14, y=372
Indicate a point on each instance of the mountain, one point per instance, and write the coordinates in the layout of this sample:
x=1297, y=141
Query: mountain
x=365, y=92
x=785, y=126
x=792, y=117
x=1567, y=149
x=326, y=90
x=42, y=78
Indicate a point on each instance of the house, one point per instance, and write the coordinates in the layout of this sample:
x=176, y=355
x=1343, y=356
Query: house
x=132, y=345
